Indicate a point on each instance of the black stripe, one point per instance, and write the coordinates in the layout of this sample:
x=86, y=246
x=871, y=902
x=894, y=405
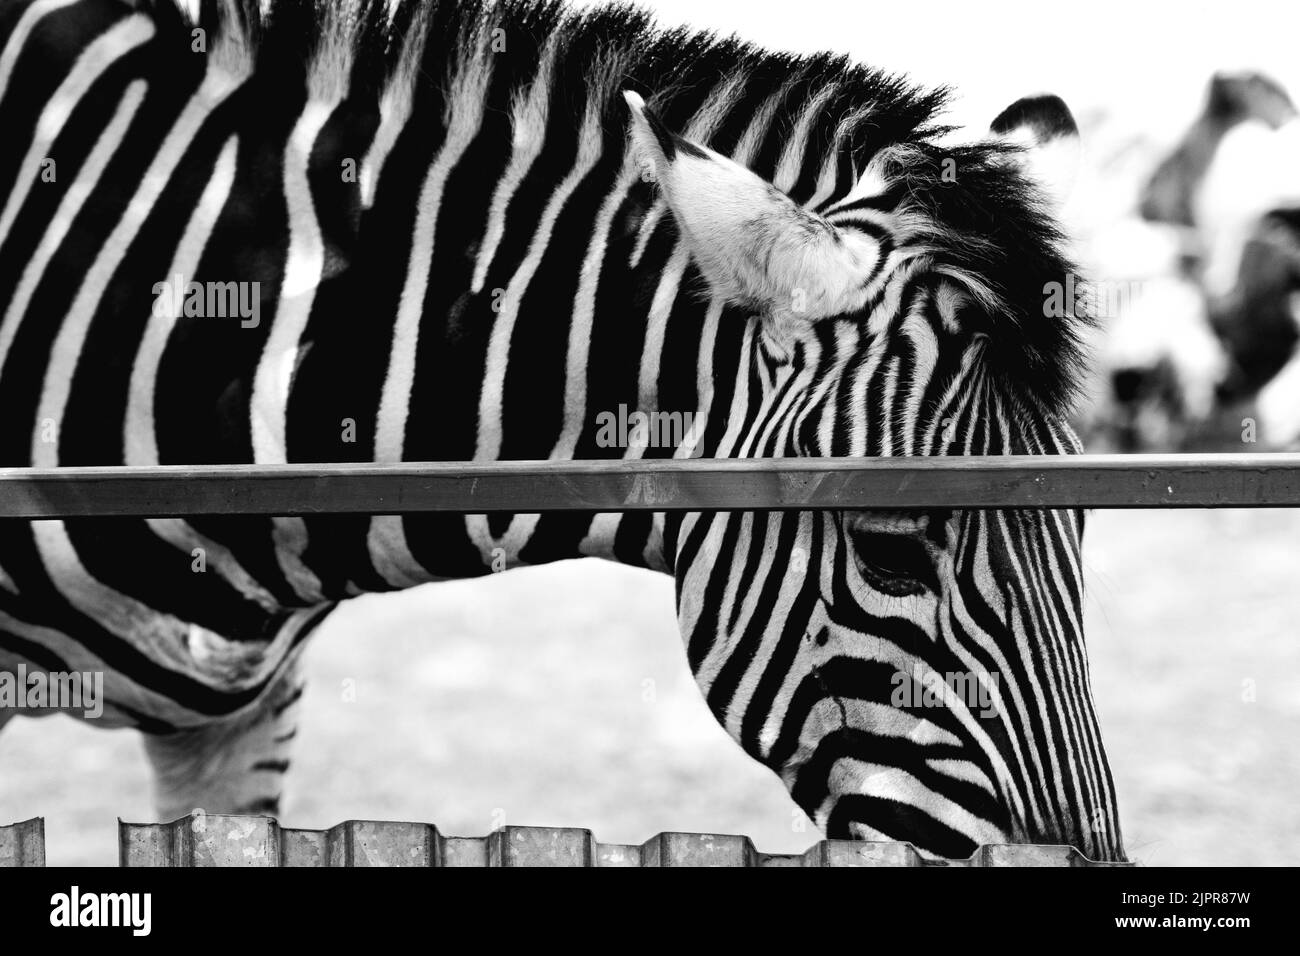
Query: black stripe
x=897, y=821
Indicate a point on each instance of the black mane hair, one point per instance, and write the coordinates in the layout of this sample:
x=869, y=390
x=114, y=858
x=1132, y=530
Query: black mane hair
x=995, y=227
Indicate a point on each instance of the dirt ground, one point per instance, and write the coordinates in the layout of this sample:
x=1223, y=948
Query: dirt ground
x=560, y=696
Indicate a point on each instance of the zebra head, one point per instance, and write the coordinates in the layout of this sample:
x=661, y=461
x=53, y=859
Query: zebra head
x=918, y=676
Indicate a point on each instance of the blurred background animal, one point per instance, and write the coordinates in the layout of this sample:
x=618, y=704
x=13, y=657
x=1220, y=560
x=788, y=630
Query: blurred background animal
x=1207, y=251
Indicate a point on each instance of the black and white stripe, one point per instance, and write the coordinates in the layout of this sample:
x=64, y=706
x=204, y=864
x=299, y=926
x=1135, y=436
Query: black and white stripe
x=504, y=266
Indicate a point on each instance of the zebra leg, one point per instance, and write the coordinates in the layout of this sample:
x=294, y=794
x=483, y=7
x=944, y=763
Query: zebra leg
x=236, y=765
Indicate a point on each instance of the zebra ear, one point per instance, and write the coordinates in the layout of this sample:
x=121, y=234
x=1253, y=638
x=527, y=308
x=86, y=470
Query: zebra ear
x=754, y=245
x=1045, y=129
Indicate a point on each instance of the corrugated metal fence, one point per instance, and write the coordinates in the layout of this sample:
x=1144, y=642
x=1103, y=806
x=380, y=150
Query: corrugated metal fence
x=23, y=844
x=226, y=840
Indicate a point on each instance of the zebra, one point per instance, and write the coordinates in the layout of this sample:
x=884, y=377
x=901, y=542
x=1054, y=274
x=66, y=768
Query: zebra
x=474, y=229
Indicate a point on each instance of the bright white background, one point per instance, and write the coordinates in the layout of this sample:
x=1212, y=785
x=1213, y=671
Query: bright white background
x=1146, y=58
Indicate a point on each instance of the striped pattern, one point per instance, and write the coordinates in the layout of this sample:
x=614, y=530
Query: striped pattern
x=457, y=256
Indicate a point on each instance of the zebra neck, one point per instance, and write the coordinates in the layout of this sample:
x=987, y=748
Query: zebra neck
x=471, y=269
x=504, y=287
x=481, y=313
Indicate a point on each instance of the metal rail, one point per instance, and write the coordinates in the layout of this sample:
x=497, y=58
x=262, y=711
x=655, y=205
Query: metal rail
x=701, y=484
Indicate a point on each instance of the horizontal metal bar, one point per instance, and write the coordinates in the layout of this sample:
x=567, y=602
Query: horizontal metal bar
x=1082, y=481
x=202, y=840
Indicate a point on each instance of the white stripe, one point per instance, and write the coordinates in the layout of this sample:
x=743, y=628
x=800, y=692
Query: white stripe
x=528, y=117
x=877, y=346
x=956, y=395
x=302, y=275
x=389, y=552
x=490, y=398
x=584, y=310
x=690, y=603
x=846, y=345
x=490, y=407
x=790, y=165
x=704, y=378
x=372, y=164
x=926, y=357
x=1009, y=691
x=964, y=770
x=69, y=208
x=887, y=412
x=599, y=541
x=736, y=417
x=752, y=139
x=18, y=36
x=704, y=398
x=94, y=60
x=720, y=644
x=771, y=627
x=1062, y=660
x=67, y=348
x=827, y=179
x=882, y=720
x=394, y=111
x=139, y=438
x=583, y=316
x=849, y=775
x=161, y=636
x=780, y=417
x=303, y=271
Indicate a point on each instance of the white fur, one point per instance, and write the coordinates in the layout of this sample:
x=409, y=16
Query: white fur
x=752, y=243
x=107, y=49
x=304, y=268
x=69, y=208
x=17, y=41
x=386, y=540
x=491, y=398
x=1052, y=164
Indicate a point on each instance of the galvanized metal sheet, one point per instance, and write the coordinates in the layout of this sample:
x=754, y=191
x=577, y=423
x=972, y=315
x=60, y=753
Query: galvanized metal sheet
x=222, y=840
x=23, y=844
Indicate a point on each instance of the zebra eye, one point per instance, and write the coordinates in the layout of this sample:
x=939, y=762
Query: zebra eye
x=894, y=564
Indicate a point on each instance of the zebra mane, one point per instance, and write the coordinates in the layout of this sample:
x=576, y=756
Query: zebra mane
x=992, y=229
